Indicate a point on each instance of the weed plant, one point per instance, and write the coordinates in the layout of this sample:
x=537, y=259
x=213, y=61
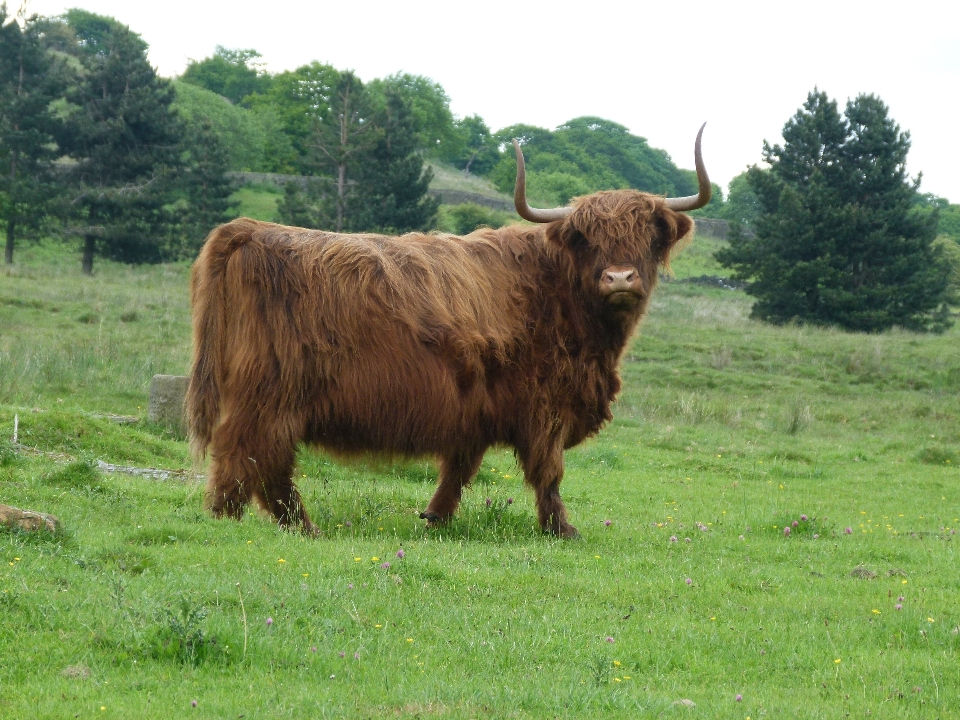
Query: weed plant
x=768, y=531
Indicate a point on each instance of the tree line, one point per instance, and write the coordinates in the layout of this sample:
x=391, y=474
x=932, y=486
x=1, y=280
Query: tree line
x=97, y=149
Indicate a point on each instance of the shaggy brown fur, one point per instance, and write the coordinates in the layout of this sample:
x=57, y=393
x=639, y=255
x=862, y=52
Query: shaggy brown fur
x=416, y=345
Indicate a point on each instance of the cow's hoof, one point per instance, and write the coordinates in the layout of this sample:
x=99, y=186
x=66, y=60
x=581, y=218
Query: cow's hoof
x=567, y=532
x=433, y=519
x=311, y=530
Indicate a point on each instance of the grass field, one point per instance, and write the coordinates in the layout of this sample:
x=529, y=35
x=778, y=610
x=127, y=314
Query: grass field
x=685, y=597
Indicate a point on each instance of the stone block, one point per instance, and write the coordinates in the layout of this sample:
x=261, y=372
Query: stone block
x=168, y=395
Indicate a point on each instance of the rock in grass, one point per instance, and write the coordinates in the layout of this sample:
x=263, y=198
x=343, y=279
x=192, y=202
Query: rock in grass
x=167, y=402
x=28, y=520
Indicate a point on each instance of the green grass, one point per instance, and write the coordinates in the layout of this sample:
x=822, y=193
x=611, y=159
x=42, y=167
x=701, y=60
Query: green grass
x=726, y=432
x=447, y=177
x=258, y=201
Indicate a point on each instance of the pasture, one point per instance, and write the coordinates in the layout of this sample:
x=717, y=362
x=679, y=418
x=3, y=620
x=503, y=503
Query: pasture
x=685, y=597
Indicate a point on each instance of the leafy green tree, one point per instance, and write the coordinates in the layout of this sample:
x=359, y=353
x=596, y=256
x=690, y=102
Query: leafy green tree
x=838, y=240
x=467, y=217
x=949, y=215
x=742, y=205
x=950, y=221
x=429, y=115
x=30, y=80
x=234, y=74
x=296, y=103
x=122, y=134
x=594, y=154
x=240, y=131
x=476, y=149
x=951, y=253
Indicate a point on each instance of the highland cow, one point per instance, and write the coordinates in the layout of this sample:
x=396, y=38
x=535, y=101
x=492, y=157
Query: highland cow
x=420, y=345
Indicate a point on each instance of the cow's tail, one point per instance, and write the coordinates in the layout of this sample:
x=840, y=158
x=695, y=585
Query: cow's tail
x=208, y=297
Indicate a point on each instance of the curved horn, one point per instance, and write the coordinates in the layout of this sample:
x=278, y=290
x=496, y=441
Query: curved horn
x=520, y=197
x=693, y=202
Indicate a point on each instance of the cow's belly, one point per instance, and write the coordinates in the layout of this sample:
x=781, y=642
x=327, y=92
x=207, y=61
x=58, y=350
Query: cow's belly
x=392, y=406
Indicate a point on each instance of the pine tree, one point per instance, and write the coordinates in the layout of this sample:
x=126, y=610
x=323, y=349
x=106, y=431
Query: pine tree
x=30, y=79
x=122, y=134
x=367, y=164
x=393, y=185
x=205, y=186
x=341, y=139
x=838, y=240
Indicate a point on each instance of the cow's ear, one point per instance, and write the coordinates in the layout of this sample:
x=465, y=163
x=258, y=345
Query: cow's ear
x=567, y=236
x=675, y=230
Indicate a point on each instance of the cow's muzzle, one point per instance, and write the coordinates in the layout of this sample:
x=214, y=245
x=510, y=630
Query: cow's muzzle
x=622, y=286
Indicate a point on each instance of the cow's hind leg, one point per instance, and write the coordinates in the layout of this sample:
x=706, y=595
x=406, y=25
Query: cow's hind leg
x=543, y=469
x=277, y=492
x=254, y=461
x=456, y=471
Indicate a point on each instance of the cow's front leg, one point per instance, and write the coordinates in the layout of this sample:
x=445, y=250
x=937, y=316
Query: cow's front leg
x=543, y=469
x=456, y=471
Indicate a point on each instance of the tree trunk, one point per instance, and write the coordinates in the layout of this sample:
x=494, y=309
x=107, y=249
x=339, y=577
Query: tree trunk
x=11, y=228
x=11, y=223
x=341, y=191
x=89, y=246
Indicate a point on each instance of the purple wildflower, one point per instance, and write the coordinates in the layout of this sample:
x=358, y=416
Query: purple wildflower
x=848, y=531
x=607, y=522
x=350, y=586
x=341, y=654
x=356, y=655
x=739, y=697
x=269, y=621
x=489, y=502
x=786, y=532
x=795, y=523
x=193, y=703
x=385, y=566
x=348, y=523
x=898, y=606
x=689, y=581
x=609, y=639
x=803, y=517
x=673, y=538
x=900, y=599
x=401, y=554
x=509, y=501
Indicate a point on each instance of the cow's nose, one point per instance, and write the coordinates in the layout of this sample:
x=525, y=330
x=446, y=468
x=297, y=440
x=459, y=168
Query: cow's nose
x=619, y=277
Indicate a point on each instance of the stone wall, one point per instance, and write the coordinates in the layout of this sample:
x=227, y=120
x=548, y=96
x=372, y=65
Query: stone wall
x=712, y=228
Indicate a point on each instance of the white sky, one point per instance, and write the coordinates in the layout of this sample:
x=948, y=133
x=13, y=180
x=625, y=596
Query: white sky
x=659, y=68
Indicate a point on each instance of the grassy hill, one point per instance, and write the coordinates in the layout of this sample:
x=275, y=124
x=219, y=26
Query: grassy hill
x=686, y=597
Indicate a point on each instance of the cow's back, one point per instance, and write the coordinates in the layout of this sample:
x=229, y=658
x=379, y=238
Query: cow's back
x=377, y=343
